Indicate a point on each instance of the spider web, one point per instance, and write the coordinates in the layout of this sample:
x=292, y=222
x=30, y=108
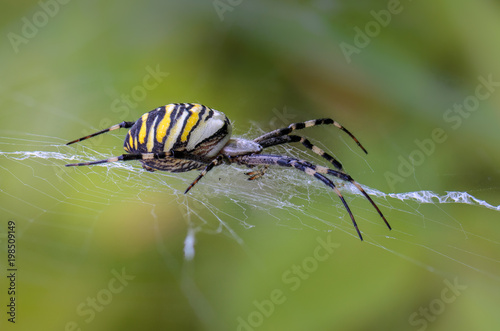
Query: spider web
x=37, y=188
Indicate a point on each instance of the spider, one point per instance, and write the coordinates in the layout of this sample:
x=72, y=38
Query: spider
x=181, y=137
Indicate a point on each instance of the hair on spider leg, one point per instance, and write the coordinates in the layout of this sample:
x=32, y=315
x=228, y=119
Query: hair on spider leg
x=181, y=137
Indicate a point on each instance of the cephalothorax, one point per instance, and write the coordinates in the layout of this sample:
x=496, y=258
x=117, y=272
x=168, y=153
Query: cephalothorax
x=181, y=137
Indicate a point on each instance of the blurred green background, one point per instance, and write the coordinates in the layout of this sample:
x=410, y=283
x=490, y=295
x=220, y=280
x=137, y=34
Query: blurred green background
x=392, y=72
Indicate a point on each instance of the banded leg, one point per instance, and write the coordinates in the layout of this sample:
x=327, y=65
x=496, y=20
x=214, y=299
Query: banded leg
x=143, y=156
x=215, y=162
x=307, y=124
x=313, y=170
x=304, y=141
x=297, y=164
x=114, y=127
x=310, y=171
x=347, y=178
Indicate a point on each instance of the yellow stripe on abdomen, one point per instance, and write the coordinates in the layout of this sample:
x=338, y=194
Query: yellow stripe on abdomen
x=131, y=141
x=191, y=122
x=162, y=128
x=142, y=132
x=175, y=131
x=151, y=136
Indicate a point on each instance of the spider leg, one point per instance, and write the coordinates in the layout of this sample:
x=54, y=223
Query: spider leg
x=310, y=171
x=297, y=164
x=304, y=141
x=114, y=127
x=306, y=124
x=342, y=175
x=348, y=178
x=126, y=157
x=143, y=156
x=313, y=170
x=217, y=161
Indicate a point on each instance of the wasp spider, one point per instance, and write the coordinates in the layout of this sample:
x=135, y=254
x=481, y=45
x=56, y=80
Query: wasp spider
x=186, y=136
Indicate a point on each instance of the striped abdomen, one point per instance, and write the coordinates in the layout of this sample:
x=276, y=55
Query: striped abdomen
x=191, y=128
